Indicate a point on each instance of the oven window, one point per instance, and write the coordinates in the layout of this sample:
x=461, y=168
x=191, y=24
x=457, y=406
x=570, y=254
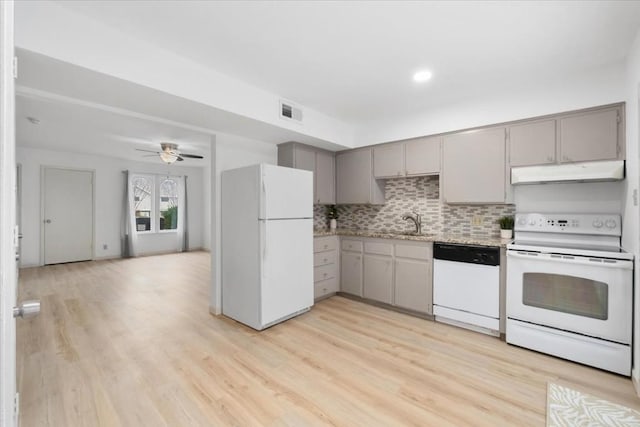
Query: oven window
x=567, y=294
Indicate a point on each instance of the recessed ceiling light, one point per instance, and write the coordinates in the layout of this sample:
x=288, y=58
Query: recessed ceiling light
x=33, y=120
x=422, y=76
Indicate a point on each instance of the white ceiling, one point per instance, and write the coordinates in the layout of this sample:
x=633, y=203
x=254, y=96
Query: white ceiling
x=76, y=128
x=354, y=60
x=84, y=111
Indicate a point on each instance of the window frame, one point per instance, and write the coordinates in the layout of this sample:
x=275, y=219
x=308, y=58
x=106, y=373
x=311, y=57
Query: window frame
x=160, y=179
x=154, y=216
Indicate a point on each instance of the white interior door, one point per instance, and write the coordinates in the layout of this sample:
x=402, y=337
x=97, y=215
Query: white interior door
x=8, y=238
x=68, y=215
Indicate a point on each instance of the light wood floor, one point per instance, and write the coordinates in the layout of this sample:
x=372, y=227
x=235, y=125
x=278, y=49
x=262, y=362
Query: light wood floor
x=131, y=343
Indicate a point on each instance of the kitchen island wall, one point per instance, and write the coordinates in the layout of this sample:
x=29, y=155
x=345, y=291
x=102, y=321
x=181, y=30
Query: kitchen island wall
x=422, y=195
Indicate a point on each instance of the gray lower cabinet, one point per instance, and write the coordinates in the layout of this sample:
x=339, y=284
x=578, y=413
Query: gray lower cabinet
x=325, y=266
x=474, y=167
x=378, y=278
x=351, y=273
x=355, y=182
x=413, y=285
x=394, y=272
x=413, y=276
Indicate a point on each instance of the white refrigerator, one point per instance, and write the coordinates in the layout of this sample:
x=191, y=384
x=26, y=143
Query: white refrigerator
x=267, y=244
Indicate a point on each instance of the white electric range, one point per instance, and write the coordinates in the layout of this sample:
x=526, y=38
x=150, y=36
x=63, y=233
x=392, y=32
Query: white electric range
x=570, y=289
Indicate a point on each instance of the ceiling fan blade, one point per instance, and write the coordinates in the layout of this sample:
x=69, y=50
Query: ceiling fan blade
x=148, y=151
x=191, y=156
x=180, y=159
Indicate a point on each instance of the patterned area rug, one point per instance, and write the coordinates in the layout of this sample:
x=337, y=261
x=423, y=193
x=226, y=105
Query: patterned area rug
x=570, y=408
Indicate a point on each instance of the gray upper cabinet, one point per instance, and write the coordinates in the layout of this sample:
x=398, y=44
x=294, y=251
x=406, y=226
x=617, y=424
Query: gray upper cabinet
x=422, y=156
x=305, y=159
x=325, y=178
x=411, y=158
x=388, y=161
x=320, y=162
x=532, y=143
x=589, y=136
x=355, y=182
x=474, y=167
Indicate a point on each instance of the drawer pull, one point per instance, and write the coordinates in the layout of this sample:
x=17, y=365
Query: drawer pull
x=325, y=274
x=326, y=246
x=325, y=260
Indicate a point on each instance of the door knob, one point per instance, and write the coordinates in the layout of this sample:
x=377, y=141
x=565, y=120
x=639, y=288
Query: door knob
x=47, y=221
x=27, y=309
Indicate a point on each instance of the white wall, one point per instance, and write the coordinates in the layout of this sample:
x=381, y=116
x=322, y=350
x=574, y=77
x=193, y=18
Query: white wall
x=596, y=87
x=229, y=152
x=96, y=46
x=631, y=226
x=206, y=189
x=596, y=197
x=109, y=188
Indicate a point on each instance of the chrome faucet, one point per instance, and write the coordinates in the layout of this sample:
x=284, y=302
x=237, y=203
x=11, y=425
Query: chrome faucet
x=417, y=220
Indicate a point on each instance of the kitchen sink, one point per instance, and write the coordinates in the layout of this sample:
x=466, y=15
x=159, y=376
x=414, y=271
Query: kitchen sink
x=413, y=233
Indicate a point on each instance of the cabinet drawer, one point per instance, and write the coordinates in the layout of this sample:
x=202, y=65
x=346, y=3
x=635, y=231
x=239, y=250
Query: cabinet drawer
x=415, y=252
x=378, y=248
x=324, y=243
x=324, y=258
x=325, y=287
x=352, y=245
x=324, y=272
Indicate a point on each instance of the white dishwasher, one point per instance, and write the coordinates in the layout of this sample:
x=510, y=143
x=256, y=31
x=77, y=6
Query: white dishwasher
x=466, y=286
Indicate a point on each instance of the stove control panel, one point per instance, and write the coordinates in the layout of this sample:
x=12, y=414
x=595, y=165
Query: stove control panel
x=606, y=224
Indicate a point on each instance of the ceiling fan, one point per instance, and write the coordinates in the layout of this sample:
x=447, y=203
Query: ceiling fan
x=170, y=153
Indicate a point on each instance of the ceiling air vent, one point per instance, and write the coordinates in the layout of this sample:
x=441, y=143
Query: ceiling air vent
x=290, y=112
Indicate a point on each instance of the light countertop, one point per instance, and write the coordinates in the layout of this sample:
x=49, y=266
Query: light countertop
x=444, y=238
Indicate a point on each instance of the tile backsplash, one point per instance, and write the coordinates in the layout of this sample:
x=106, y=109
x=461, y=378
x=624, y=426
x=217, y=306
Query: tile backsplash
x=421, y=195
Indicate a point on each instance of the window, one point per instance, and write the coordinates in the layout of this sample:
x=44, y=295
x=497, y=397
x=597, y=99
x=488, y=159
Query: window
x=156, y=202
x=168, y=204
x=143, y=201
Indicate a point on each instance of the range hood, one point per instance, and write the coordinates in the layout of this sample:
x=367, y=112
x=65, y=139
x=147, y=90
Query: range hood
x=569, y=172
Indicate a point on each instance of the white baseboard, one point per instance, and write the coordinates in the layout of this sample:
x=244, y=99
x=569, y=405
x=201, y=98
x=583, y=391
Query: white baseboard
x=636, y=382
x=29, y=266
x=102, y=258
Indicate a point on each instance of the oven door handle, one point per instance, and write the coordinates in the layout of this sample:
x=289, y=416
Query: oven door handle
x=571, y=259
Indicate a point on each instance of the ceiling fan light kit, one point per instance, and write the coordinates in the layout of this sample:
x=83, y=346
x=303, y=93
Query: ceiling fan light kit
x=170, y=153
x=168, y=157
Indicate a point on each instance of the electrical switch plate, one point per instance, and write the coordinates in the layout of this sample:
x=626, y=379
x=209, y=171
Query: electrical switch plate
x=477, y=220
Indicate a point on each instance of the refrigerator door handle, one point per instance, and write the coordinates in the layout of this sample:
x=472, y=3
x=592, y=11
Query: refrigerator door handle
x=264, y=245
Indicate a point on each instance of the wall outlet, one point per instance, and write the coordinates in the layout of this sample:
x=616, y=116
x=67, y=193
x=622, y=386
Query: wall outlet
x=477, y=220
x=105, y=247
